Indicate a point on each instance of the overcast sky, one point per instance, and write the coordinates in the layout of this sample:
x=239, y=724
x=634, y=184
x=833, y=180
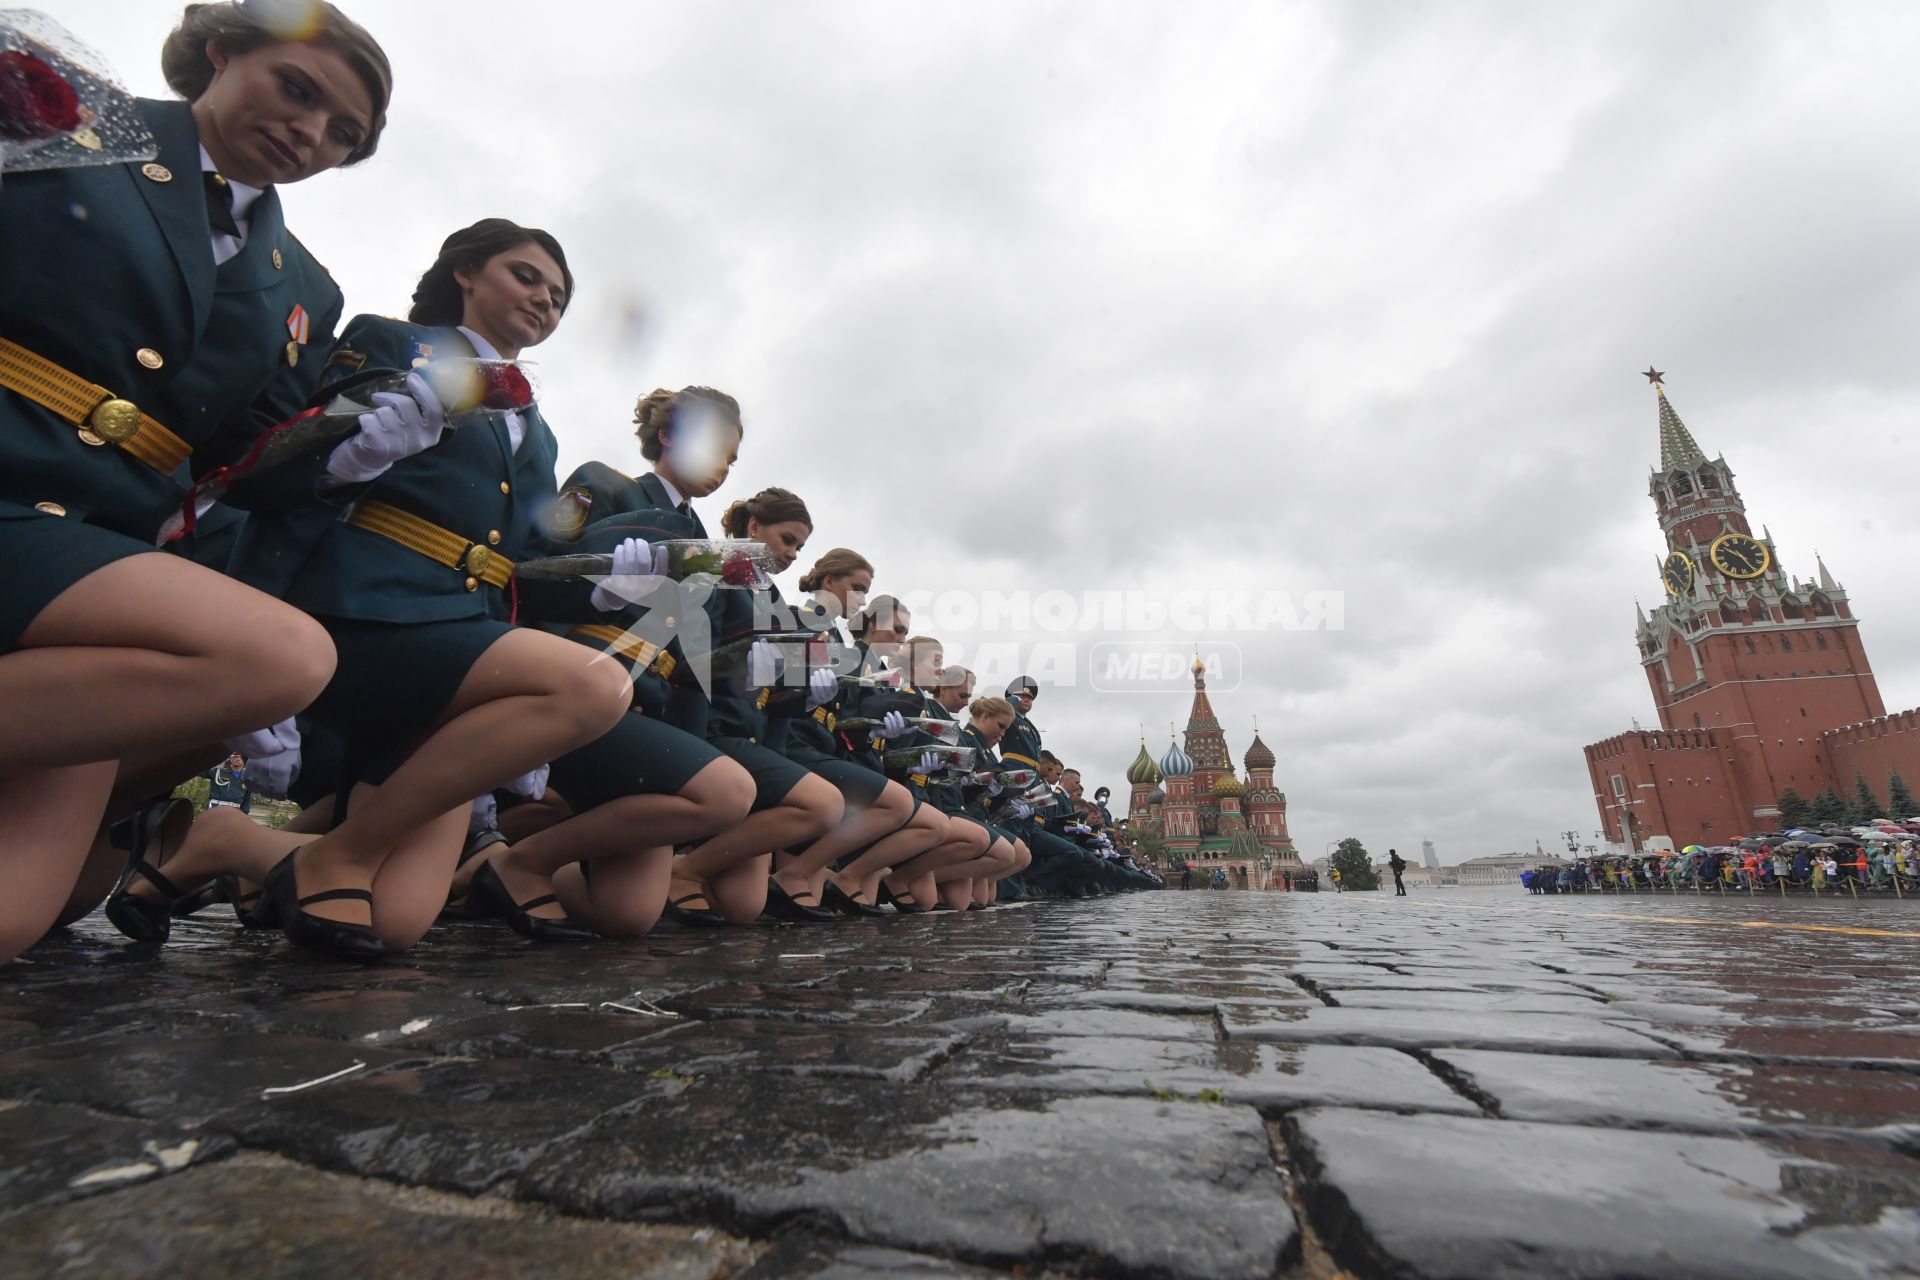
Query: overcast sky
x=1274, y=297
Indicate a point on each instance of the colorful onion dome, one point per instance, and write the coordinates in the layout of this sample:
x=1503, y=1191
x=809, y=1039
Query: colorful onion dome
x=1259, y=755
x=1143, y=769
x=1156, y=796
x=1228, y=785
x=1176, y=763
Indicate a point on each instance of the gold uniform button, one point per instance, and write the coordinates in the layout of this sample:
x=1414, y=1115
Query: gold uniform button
x=505, y=487
x=473, y=584
x=148, y=357
x=157, y=172
x=50, y=508
x=278, y=261
x=493, y=537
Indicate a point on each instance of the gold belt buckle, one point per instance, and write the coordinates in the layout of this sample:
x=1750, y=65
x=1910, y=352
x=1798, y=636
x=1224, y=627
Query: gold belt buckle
x=478, y=558
x=115, y=420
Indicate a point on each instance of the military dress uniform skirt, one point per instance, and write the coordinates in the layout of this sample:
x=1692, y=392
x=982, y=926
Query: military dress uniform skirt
x=46, y=554
x=858, y=785
x=393, y=680
x=637, y=757
x=773, y=774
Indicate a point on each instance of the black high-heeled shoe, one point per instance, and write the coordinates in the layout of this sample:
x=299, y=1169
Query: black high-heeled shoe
x=143, y=919
x=488, y=895
x=782, y=905
x=317, y=933
x=905, y=903
x=837, y=899
x=252, y=910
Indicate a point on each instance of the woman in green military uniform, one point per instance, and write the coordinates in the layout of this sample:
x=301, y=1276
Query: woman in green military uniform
x=885, y=825
x=438, y=695
x=155, y=318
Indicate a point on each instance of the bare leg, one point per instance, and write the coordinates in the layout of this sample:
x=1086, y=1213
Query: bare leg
x=628, y=893
x=530, y=698
x=715, y=799
x=807, y=811
x=141, y=656
x=51, y=817
x=965, y=842
x=927, y=829
x=135, y=782
x=879, y=822
x=132, y=660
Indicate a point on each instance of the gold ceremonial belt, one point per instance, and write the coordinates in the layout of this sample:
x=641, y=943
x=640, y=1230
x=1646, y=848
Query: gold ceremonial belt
x=640, y=652
x=442, y=546
x=1029, y=761
x=101, y=416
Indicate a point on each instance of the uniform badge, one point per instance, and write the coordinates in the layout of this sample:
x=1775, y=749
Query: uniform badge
x=343, y=363
x=298, y=325
x=567, y=514
x=422, y=352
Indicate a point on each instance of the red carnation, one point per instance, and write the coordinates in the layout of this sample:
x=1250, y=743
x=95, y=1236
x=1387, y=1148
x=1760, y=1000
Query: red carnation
x=738, y=571
x=35, y=102
x=507, y=388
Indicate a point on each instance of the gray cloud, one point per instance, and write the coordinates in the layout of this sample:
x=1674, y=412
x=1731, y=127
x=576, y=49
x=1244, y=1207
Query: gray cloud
x=1309, y=297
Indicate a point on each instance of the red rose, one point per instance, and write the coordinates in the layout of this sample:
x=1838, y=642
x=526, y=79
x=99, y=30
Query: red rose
x=35, y=102
x=738, y=570
x=507, y=388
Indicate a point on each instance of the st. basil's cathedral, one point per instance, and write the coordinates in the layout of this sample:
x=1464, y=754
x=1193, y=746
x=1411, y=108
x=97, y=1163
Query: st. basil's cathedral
x=1203, y=815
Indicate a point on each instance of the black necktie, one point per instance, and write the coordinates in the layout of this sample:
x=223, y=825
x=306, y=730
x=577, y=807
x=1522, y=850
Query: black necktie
x=685, y=509
x=220, y=205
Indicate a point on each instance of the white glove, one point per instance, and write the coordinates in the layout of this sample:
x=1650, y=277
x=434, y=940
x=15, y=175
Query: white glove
x=1021, y=809
x=635, y=563
x=822, y=687
x=930, y=763
x=531, y=785
x=272, y=756
x=483, y=814
x=894, y=725
x=398, y=427
x=1079, y=829
x=993, y=786
x=765, y=664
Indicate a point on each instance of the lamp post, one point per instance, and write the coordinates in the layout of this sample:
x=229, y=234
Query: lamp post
x=1573, y=841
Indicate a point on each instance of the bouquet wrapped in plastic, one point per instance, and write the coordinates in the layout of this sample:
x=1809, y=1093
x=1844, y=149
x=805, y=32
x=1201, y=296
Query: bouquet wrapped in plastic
x=945, y=731
x=718, y=562
x=468, y=390
x=60, y=108
x=908, y=759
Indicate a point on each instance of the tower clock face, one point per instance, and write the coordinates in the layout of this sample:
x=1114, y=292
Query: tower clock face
x=1678, y=573
x=1738, y=556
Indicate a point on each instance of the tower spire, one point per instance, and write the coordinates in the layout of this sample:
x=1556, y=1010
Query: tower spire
x=1677, y=447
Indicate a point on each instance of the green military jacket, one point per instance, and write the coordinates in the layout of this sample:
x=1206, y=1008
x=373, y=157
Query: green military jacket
x=108, y=272
x=473, y=483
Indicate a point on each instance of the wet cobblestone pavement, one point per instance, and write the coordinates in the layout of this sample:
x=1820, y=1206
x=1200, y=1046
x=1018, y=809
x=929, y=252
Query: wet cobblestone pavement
x=1471, y=1084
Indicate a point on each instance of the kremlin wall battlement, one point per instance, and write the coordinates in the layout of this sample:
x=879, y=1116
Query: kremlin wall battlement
x=1771, y=671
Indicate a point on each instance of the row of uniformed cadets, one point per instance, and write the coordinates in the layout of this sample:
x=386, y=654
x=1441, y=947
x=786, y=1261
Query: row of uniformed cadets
x=158, y=321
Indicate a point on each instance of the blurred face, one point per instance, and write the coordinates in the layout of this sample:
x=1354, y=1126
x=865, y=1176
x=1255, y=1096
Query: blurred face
x=1071, y=781
x=847, y=592
x=886, y=636
x=952, y=696
x=515, y=298
x=700, y=448
x=1022, y=702
x=929, y=660
x=991, y=728
x=234, y=761
x=785, y=540
x=1049, y=773
x=281, y=113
